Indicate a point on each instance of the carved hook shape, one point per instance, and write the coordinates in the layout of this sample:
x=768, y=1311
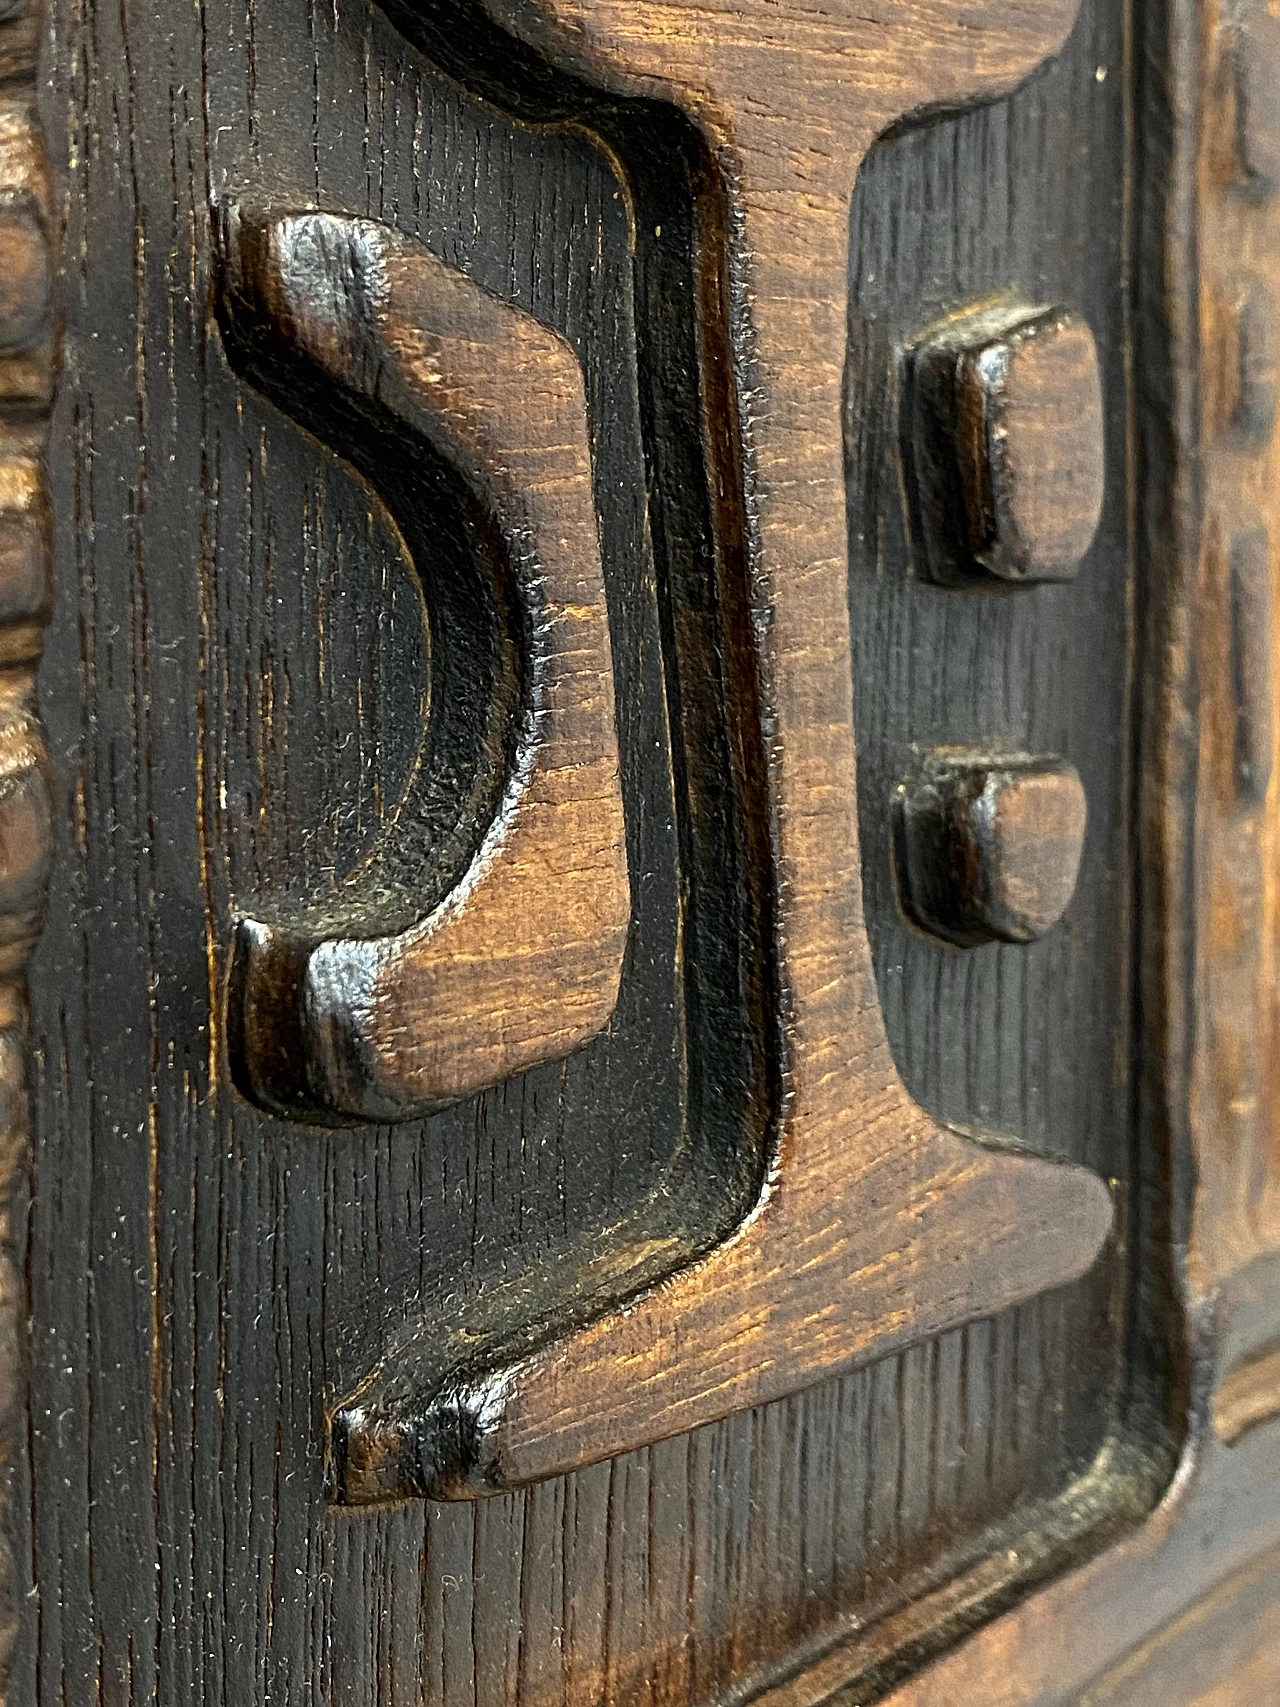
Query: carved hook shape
x=487, y=930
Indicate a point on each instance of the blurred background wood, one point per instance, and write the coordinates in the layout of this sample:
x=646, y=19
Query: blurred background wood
x=484, y=933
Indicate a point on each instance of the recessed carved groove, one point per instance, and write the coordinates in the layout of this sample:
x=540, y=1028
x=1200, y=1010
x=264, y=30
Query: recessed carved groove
x=486, y=931
x=875, y=1226
x=1251, y=675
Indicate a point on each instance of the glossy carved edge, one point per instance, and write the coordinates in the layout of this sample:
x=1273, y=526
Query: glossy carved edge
x=516, y=957
x=27, y=365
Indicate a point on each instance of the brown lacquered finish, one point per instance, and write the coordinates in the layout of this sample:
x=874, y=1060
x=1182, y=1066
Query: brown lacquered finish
x=1004, y=433
x=1184, y=1610
x=716, y=1137
x=26, y=273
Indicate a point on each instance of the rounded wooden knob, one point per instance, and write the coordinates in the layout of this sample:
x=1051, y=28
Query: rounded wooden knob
x=1006, y=444
x=989, y=847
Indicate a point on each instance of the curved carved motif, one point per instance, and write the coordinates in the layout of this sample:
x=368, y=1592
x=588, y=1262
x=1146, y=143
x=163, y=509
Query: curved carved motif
x=486, y=934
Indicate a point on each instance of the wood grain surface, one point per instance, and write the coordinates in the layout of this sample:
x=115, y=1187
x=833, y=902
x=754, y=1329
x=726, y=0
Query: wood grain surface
x=1237, y=1124
x=1248, y=1394
x=1200, y=1573
x=1222, y=1652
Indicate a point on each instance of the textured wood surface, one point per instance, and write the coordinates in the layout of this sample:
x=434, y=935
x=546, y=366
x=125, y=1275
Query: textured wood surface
x=507, y=850
x=1182, y=1607
x=1237, y=1129
x=235, y=680
x=1248, y=1395
x=1210, y=256
x=1223, y=1652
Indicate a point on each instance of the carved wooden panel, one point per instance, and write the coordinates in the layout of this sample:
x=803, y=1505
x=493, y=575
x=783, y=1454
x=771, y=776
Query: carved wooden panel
x=662, y=725
x=508, y=843
x=852, y=1248
x=1184, y=1608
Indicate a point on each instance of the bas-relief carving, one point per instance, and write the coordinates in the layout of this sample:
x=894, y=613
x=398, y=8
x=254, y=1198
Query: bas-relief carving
x=508, y=852
x=1210, y=800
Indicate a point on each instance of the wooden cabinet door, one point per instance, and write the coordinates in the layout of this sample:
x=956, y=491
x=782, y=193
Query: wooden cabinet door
x=638, y=900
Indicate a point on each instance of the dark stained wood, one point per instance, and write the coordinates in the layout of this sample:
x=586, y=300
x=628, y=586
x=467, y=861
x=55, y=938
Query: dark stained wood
x=684, y=1567
x=237, y=679
x=1251, y=647
x=1163, y=1600
x=1211, y=1546
x=990, y=845
x=1004, y=443
x=506, y=854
